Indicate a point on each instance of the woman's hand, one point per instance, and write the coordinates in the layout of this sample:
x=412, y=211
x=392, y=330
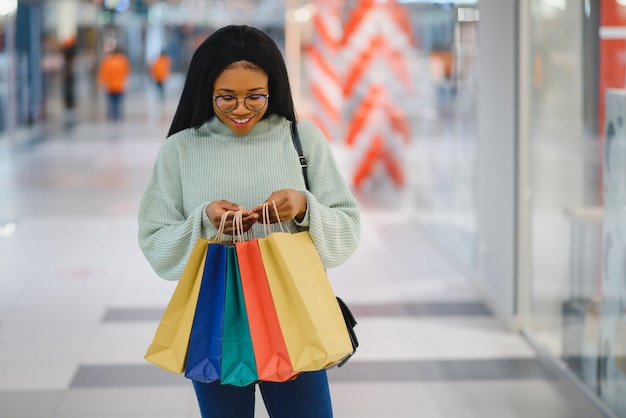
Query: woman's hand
x=290, y=204
x=217, y=208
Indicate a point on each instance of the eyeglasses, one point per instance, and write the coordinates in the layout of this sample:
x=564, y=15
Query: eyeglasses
x=253, y=102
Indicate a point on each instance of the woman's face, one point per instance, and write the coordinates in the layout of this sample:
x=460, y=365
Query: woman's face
x=240, y=82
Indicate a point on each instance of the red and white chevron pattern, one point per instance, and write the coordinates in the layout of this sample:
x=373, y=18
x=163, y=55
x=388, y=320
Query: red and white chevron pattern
x=323, y=65
x=376, y=46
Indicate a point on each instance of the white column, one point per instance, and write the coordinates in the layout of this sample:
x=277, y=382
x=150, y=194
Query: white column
x=67, y=19
x=497, y=175
x=292, y=50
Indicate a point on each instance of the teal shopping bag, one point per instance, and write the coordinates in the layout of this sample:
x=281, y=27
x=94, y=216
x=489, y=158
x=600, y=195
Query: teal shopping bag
x=238, y=364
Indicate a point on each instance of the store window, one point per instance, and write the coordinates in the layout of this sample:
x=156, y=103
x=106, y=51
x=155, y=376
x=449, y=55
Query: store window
x=577, y=189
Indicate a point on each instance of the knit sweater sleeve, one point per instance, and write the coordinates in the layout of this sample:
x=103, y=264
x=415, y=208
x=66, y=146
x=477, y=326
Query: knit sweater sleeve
x=166, y=233
x=332, y=215
x=195, y=167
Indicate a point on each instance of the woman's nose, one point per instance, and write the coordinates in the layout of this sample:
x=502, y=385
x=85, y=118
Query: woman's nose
x=240, y=108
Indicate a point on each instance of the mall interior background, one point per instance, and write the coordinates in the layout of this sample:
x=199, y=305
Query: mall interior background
x=514, y=111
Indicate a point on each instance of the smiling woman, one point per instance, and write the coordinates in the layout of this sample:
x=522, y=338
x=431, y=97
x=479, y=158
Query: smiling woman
x=235, y=156
x=240, y=79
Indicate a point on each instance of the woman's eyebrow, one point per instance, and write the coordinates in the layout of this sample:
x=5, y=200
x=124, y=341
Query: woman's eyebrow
x=250, y=90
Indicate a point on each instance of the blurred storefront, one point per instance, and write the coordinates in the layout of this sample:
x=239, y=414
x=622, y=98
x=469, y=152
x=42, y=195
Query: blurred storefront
x=21, y=88
x=573, y=113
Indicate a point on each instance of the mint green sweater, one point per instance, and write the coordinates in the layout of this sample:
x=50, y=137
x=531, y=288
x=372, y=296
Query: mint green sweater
x=197, y=166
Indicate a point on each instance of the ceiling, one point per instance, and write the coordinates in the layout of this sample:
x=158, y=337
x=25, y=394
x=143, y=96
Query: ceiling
x=219, y=12
x=214, y=12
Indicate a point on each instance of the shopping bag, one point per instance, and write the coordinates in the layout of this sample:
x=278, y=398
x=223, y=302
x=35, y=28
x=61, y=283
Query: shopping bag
x=238, y=364
x=205, y=343
x=311, y=321
x=270, y=352
x=168, y=348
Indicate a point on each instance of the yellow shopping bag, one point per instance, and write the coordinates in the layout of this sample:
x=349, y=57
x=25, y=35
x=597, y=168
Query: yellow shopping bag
x=168, y=349
x=308, y=312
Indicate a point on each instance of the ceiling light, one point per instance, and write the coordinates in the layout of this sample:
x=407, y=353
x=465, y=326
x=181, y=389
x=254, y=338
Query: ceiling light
x=7, y=230
x=8, y=7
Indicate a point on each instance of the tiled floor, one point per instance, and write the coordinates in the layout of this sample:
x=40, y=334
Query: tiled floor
x=79, y=304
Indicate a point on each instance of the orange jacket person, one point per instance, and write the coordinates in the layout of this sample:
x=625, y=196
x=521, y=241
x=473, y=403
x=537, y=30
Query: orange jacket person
x=112, y=75
x=160, y=71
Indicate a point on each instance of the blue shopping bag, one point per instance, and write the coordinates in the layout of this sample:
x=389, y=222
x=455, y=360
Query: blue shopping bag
x=204, y=354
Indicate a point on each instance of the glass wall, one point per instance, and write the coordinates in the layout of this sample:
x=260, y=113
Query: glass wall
x=576, y=188
x=444, y=127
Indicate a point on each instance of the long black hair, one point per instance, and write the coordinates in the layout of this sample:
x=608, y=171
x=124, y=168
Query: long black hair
x=225, y=46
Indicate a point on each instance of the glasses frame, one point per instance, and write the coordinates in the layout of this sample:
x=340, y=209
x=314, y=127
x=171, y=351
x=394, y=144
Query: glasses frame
x=244, y=102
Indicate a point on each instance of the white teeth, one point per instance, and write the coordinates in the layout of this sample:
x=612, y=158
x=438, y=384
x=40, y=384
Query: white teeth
x=241, y=120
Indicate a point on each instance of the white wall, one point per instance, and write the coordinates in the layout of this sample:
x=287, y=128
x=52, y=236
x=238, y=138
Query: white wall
x=496, y=154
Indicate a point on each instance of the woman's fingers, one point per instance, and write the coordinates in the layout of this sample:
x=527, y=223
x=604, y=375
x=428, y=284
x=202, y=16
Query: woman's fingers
x=284, y=205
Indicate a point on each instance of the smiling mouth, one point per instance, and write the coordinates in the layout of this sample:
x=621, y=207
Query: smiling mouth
x=241, y=121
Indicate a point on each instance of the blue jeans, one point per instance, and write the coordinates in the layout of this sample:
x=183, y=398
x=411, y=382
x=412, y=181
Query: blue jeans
x=114, y=110
x=308, y=396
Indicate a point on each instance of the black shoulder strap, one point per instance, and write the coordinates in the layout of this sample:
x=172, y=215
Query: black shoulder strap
x=345, y=311
x=296, y=142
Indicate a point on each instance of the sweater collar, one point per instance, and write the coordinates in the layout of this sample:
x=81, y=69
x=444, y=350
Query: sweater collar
x=214, y=126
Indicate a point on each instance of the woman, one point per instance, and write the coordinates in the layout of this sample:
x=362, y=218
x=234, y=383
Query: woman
x=229, y=148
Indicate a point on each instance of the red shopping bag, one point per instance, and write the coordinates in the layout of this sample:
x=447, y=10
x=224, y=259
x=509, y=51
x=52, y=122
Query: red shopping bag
x=270, y=351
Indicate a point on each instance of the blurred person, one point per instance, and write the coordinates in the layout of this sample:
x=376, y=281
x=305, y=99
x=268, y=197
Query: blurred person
x=230, y=148
x=112, y=76
x=160, y=70
x=69, y=80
